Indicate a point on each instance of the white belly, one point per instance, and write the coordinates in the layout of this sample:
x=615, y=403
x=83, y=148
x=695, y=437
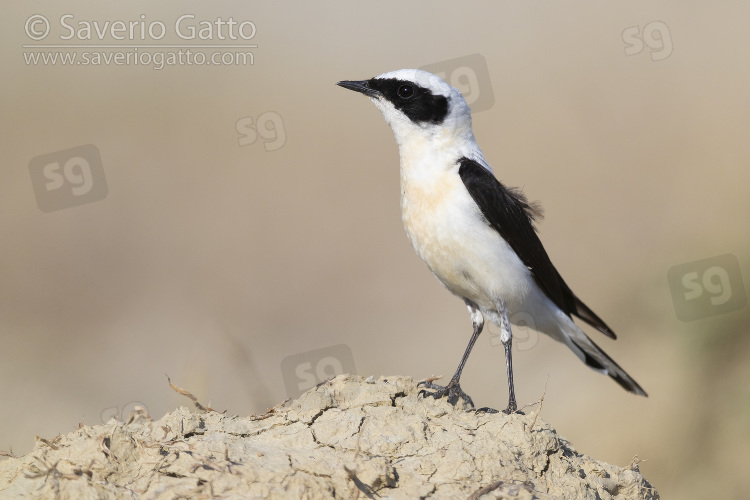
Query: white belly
x=450, y=235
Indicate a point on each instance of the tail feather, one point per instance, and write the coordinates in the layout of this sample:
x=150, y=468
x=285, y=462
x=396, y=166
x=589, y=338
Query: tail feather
x=586, y=314
x=597, y=359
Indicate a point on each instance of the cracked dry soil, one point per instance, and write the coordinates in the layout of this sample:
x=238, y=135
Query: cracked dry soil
x=346, y=438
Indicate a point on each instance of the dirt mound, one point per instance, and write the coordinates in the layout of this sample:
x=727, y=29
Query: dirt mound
x=346, y=438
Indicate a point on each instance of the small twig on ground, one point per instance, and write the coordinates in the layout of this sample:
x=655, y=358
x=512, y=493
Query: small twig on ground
x=271, y=411
x=513, y=487
x=483, y=491
x=430, y=379
x=49, y=443
x=634, y=463
x=183, y=392
x=541, y=402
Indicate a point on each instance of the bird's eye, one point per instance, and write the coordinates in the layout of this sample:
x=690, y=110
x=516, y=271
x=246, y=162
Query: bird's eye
x=405, y=91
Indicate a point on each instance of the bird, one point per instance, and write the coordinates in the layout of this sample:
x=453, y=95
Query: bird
x=477, y=235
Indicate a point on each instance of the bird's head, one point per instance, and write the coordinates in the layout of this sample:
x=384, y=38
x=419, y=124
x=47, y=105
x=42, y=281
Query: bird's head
x=418, y=106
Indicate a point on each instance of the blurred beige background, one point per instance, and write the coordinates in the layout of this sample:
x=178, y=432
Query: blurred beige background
x=217, y=254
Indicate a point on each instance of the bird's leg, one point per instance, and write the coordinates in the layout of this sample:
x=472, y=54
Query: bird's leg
x=506, y=337
x=453, y=389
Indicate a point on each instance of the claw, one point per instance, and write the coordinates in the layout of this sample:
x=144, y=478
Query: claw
x=485, y=409
x=512, y=408
x=452, y=390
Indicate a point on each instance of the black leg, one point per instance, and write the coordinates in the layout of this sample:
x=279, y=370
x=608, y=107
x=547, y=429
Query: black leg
x=506, y=337
x=512, y=407
x=453, y=389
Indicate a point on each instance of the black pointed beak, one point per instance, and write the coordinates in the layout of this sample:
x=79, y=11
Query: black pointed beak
x=362, y=86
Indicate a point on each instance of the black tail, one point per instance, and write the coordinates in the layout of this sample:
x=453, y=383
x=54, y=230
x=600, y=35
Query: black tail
x=586, y=314
x=596, y=358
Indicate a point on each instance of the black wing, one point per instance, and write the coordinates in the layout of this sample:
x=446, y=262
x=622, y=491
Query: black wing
x=511, y=215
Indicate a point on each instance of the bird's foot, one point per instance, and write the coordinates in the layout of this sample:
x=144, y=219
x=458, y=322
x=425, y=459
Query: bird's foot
x=485, y=409
x=510, y=409
x=452, y=390
x=513, y=408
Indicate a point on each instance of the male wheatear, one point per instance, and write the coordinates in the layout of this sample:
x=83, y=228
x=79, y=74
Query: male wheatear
x=476, y=235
